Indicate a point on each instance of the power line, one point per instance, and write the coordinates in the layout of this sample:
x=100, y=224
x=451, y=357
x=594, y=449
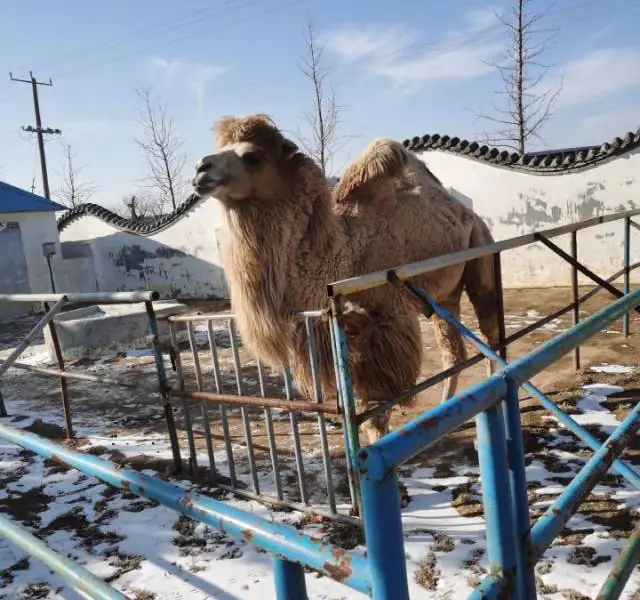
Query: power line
x=136, y=36
x=166, y=43
x=38, y=130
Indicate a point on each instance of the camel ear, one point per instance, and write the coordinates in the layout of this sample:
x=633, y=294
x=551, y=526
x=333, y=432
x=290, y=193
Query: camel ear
x=288, y=149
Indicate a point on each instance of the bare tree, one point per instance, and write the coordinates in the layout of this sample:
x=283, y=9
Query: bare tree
x=163, y=151
x=73, y=190
x=526, y=103
x=324, y=118
x=140, y=206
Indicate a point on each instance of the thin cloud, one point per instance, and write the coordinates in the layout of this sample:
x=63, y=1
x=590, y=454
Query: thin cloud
x=398, y=54
x=194, y=76
x=599, y=75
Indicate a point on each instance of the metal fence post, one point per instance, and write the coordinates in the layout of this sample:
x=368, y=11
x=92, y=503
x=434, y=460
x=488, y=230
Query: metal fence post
x=576, y=298
x=348, y=403
x=519, y=496
x=64, y=390
x=381, y=514
x=627, y=270
x=496, y=497
x=289, y=580
x=164, y=386
x=497, y=278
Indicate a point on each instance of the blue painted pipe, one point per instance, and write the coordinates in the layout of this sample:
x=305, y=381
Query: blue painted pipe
x=383, y=532
x=280, y=540
x=496, y=495
x=78, y=578
x=554, y=348
x=627, y=560
x=519, y=495
x=289, y=580
x=551, y=523
x=420, y=433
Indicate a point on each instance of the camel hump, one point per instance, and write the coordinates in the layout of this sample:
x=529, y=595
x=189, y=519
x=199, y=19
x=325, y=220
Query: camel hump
x=382, y=160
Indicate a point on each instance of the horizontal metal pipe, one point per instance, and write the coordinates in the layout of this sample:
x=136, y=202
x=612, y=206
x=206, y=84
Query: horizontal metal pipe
x=42, y=323
x=291, y=405
x=280, y=540
x=79, y=298
x=378, y=278
x=417, y=435
x=78, y=578
x=552, y=522
x=225, y=316
x=80, y=377
x=386, y=405
x=619, y=575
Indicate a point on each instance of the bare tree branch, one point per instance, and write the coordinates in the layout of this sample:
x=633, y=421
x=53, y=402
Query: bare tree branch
x=323, y=119
x=163, y=151
x=525, y=105
x=140, y=207
x=73, y=190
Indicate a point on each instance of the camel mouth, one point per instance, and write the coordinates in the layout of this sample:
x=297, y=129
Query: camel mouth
x=204, y=185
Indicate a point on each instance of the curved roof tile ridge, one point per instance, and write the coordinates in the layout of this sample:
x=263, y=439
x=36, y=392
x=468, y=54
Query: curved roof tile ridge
x=554, y=161
x=148, y=227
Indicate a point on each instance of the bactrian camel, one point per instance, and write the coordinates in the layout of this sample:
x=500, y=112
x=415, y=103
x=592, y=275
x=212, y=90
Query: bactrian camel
x=288, y=235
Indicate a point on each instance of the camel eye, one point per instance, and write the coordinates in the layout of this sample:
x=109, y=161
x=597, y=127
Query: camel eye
x=251, y=159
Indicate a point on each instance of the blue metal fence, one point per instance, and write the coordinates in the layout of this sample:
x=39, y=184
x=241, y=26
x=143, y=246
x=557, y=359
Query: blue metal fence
x=514, y=546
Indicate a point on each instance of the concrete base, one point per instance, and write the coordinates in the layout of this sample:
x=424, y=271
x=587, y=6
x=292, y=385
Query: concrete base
x=95, y=330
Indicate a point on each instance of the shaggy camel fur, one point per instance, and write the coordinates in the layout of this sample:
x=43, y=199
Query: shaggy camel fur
x=288, y=236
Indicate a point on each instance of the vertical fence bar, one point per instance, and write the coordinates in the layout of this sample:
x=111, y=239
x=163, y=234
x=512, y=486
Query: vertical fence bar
x=334, y=356
x=271, y=438
x=176, y=354
x=295, y=433
x=497, y=278
x=322, y=425
x=617, y=579
x=496, y=496
x=289, y=580
x=246, y=424
x=206, y=423
x=164, y=387
x=576, y=296
x=224, y=421
x=627, y=271
x=519, y=496
x=383, y=531
x=64, y=389
x=347, y=398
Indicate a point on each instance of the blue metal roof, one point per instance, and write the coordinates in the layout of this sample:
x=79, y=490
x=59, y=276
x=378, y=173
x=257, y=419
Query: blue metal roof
x=14, y=199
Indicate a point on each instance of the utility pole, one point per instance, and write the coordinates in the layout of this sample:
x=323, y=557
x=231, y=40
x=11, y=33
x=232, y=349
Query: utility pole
x=38, y=128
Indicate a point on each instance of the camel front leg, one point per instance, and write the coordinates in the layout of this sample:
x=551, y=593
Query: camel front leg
x=376, y=427
x=453, y=350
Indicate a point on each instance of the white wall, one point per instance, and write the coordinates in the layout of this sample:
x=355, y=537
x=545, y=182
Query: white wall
x=182, y=260
x=513, y=203
x=37, y=228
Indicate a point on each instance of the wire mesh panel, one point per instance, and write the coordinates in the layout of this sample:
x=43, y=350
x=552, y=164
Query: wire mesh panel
x=242, y=426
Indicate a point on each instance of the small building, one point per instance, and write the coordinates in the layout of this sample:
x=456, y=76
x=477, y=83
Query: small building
x=27, y=221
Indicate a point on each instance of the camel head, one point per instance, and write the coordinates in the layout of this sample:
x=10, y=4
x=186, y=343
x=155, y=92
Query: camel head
x=250, y=162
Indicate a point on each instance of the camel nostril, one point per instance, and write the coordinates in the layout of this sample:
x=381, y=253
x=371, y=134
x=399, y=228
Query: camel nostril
x=203, y=166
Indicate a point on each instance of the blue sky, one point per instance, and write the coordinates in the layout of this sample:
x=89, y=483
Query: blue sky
x=400, y=69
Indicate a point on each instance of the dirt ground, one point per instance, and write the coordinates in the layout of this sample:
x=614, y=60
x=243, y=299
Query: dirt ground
x=137, y=412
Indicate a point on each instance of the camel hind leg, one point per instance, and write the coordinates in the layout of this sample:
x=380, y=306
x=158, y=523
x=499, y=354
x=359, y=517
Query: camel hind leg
x=451, y=344
x=480, y=285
